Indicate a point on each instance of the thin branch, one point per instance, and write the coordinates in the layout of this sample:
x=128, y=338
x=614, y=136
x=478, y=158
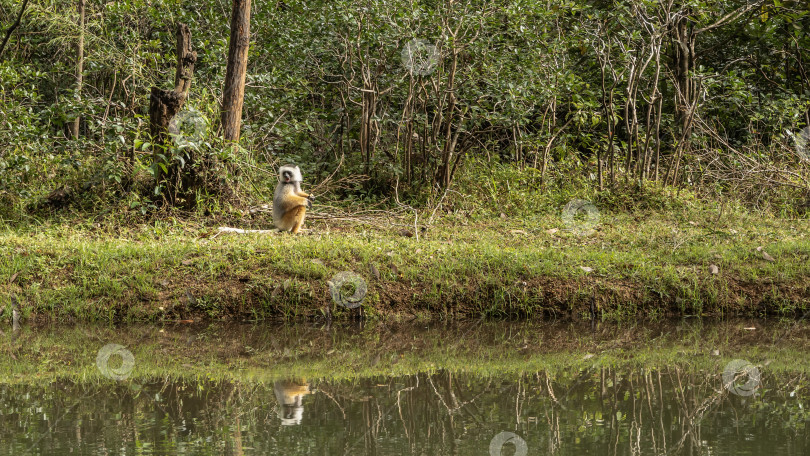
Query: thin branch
x=13, y=26
x=730, y=17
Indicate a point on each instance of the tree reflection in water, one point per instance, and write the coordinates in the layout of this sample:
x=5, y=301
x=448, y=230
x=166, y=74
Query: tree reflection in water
x=474, y=391
x=594, y=411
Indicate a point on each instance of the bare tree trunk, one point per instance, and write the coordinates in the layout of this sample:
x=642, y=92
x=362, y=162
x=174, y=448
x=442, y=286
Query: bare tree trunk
x=611, y=132
x=74, y=126
x=367, y=119
x=658, y=135
x=16, y=24
x=234, y=93
x=165, y=104
x=443, y=175
x=685, y=89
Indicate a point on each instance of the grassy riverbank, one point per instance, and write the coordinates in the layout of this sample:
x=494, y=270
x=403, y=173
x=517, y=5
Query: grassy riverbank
x=487, y=259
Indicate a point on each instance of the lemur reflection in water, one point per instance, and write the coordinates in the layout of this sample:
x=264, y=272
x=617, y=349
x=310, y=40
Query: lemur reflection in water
x=290, y=394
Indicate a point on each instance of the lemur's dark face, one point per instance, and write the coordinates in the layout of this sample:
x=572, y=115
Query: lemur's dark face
x=289, y=174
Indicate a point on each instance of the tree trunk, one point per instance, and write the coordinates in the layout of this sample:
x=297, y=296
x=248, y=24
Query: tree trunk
x=234, y=93
x=74, y=126
x=443, y=174
x=687, y=87
x=164, y=105
x=685, y=91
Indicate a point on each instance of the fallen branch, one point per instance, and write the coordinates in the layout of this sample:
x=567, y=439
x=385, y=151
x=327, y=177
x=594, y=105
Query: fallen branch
x=225, y=229
x=381, y=219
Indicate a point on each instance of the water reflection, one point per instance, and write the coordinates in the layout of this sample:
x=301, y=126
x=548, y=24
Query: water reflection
x=602, y=411
x=290, y=395
x=676, y=407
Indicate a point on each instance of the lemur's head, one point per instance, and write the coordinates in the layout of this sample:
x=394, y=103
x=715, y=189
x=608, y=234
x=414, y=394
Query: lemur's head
x=288, y=174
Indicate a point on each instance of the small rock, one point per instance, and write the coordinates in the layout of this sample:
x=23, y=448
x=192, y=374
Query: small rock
x=767, y=257
x=186, y=262
x=503, y=216
x=586, y=269
x=714, y=269
x=552, y=231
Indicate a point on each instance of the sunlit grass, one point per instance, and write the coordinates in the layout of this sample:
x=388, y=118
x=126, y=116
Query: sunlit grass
x=649, y=255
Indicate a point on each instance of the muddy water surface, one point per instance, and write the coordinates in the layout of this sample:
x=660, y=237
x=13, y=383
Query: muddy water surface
x=497, y=388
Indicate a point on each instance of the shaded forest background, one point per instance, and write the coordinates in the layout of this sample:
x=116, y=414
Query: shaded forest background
x=407, y=99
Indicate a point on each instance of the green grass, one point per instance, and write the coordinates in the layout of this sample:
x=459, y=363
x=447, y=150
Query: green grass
x=649, y=255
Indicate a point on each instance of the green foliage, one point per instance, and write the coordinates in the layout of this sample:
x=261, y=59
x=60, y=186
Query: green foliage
x=537, y=87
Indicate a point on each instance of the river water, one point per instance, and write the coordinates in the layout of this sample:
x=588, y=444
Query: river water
x=481, y=388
